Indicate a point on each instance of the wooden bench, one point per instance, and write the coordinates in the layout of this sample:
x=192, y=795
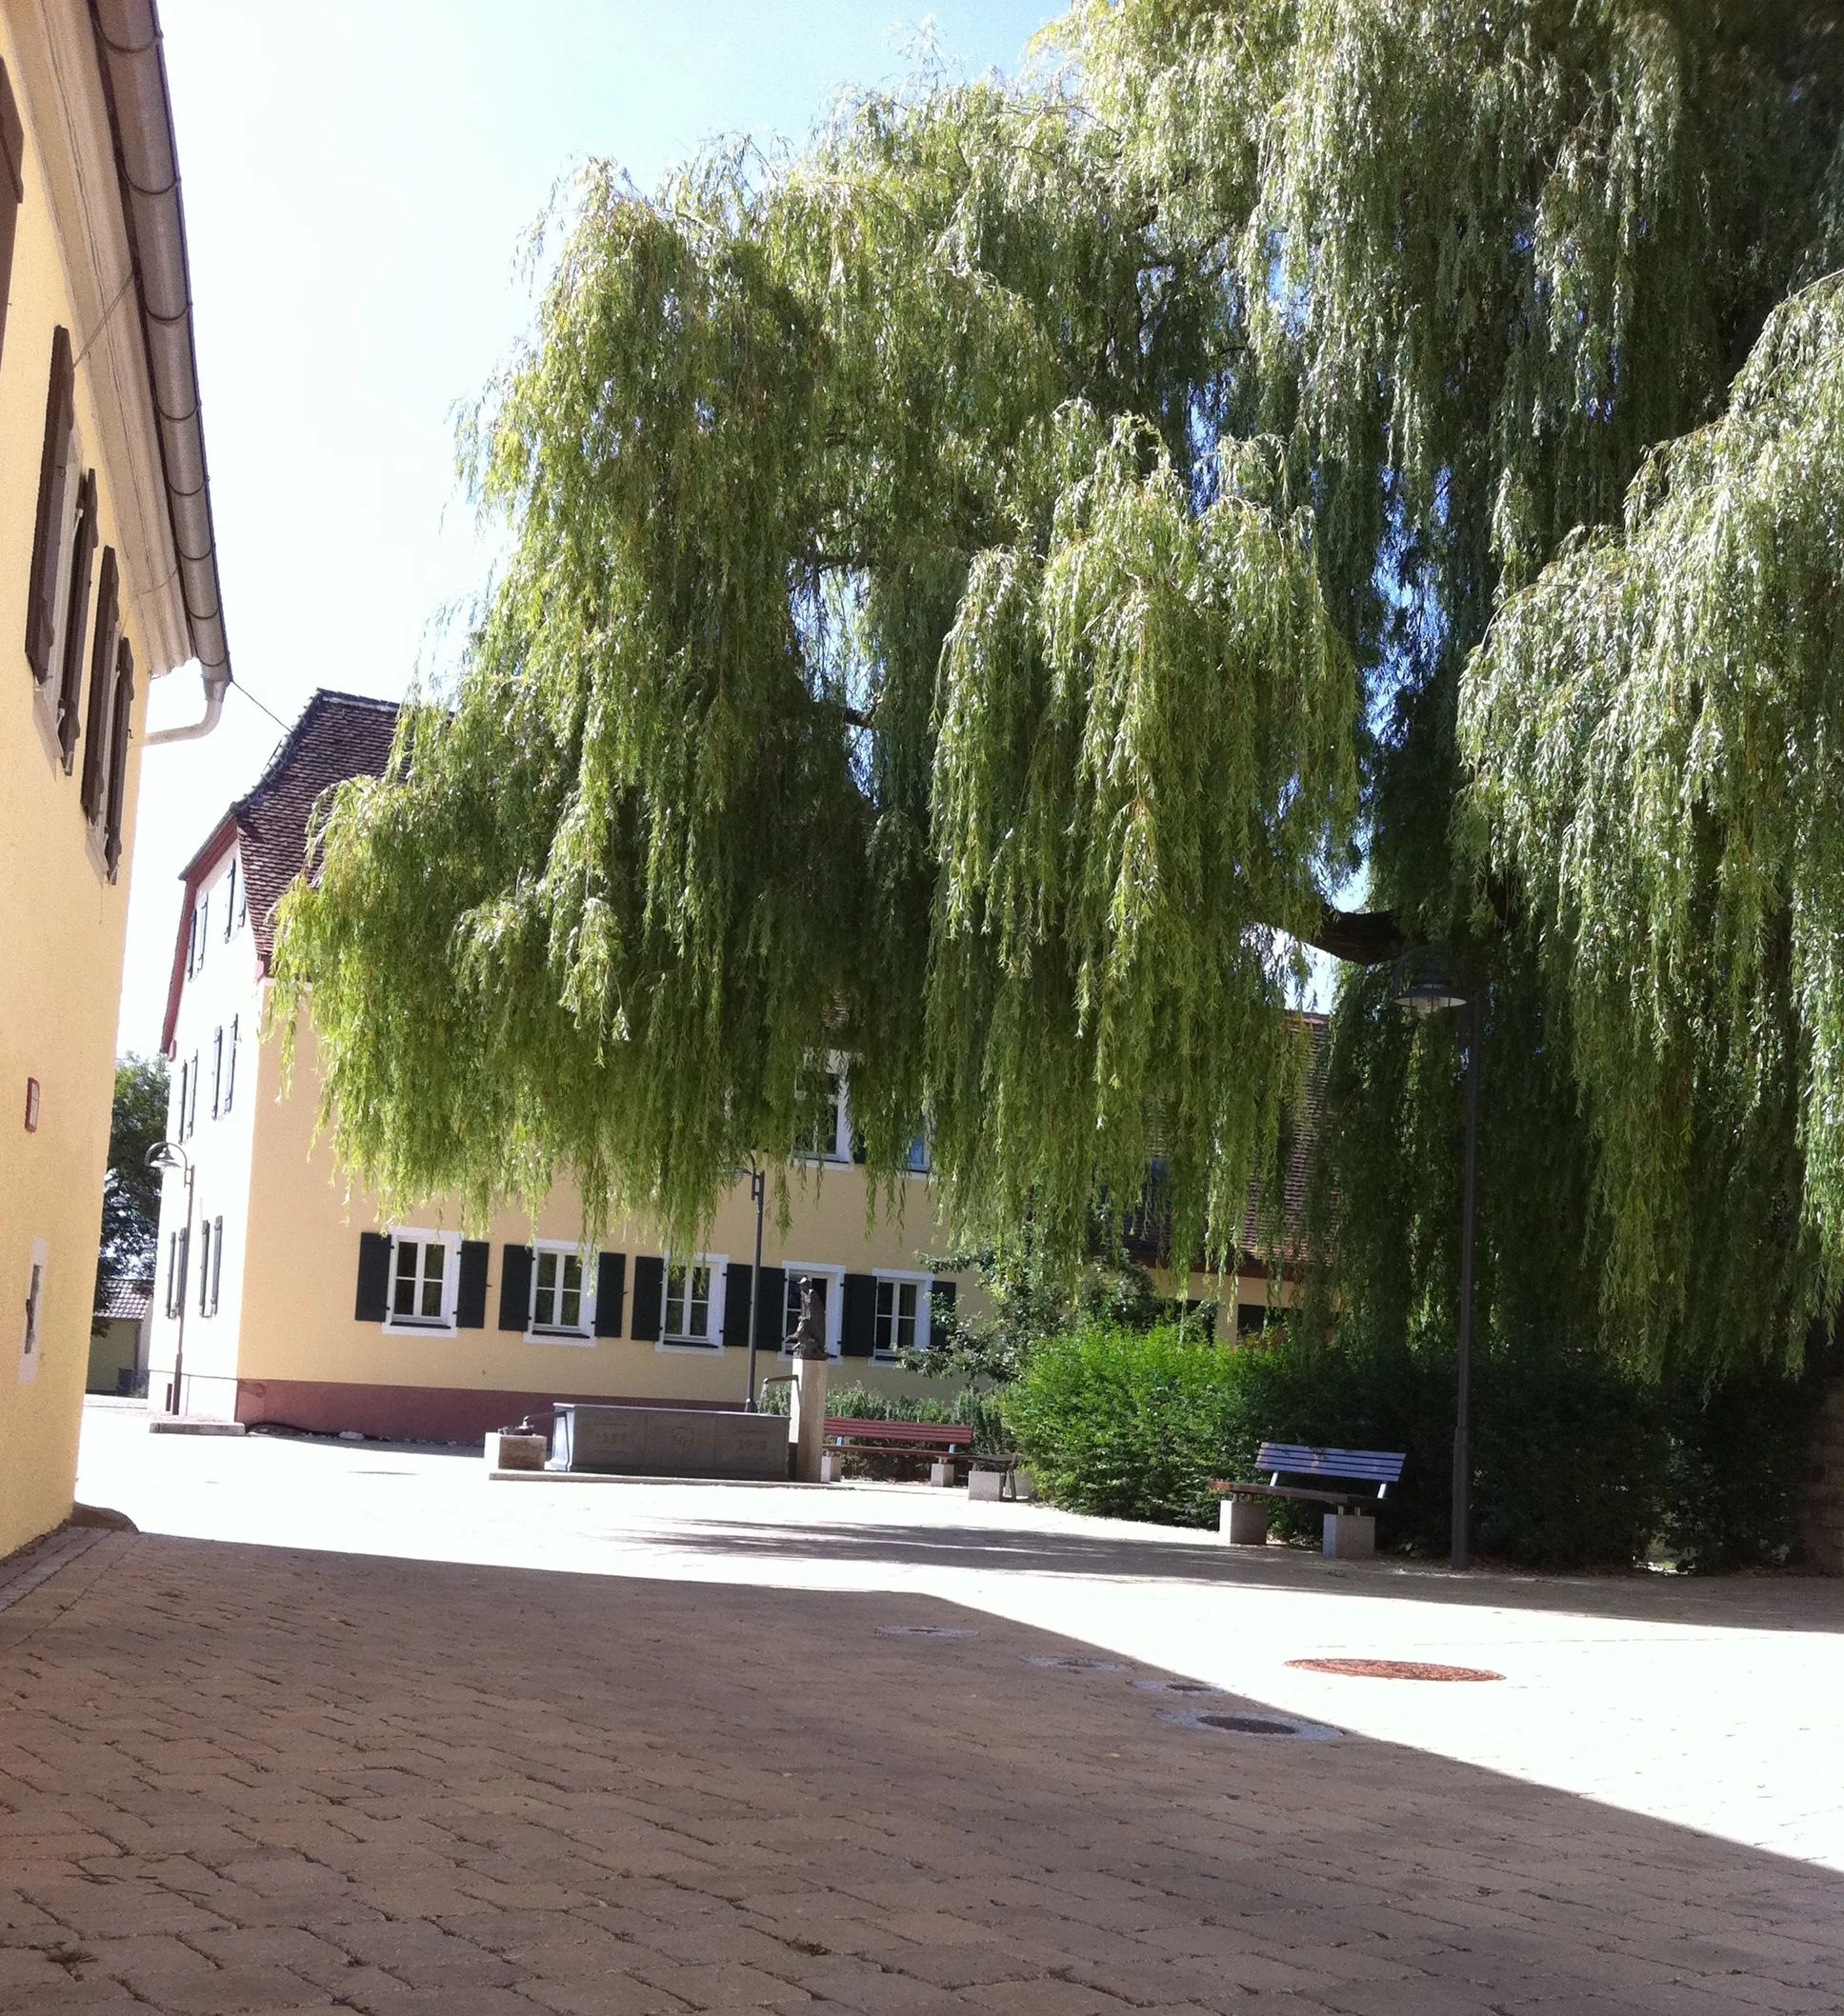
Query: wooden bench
x=942, y=1444
x=1359, y=1478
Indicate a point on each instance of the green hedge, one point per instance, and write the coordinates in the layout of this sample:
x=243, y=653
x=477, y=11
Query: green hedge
x=1574, y=1463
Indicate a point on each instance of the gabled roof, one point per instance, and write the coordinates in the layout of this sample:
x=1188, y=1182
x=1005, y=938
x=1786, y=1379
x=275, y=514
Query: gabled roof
x=124, y=1301
x=337, y=735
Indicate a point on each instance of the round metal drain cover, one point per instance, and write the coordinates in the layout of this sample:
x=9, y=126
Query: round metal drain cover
x=926, y=1630
x=1391, y=1670
x=1178, y=1686
x=1068, y=1662
x=1244, y=1722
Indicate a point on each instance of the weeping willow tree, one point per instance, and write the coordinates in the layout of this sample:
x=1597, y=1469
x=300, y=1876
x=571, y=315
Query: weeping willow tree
x=983, y=582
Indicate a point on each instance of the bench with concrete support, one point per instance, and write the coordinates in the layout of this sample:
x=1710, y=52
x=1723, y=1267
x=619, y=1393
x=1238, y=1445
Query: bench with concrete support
x=940, y=1443
x=1358, y=1481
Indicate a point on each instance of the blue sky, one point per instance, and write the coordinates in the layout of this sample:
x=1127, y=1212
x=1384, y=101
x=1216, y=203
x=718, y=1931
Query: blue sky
x=357, y=177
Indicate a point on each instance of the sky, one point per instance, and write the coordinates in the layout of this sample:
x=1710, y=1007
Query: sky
x=357, y=179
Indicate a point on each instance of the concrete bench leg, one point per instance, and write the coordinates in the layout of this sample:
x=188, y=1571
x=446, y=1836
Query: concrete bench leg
x=1243, y=1522
x=832, y=1467
x=1349, y=1536
x=986, y=1485
x=941, y=1475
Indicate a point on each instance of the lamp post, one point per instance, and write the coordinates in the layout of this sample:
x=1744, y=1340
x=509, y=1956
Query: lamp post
x=166, y=1155
x=758, y=1182
x=1422, y=986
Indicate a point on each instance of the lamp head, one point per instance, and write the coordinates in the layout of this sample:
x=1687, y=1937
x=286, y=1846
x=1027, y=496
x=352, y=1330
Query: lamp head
x=1422, y=985
x=165, y=1156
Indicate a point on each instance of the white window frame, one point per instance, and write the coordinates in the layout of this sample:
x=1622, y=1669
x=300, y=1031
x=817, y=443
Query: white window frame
x=709, y=1347
x=834, y=1277
x=584, y=1333
x=442, y=1325
x=840, y=1150
x=924, y=1285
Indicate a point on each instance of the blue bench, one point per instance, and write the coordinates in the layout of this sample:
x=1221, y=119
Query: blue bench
x=1352, y=1482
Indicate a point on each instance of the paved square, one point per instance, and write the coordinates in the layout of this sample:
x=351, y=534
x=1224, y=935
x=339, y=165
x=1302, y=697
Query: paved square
x=270, y=1778
x=245, y=1779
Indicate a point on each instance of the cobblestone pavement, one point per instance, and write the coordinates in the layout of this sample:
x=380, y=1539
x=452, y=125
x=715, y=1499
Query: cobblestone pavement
x=261, y=1779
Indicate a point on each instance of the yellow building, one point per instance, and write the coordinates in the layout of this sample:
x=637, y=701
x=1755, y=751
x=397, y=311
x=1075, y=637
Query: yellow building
x=300, y=1305
x=108, y=581
x=282, y=1298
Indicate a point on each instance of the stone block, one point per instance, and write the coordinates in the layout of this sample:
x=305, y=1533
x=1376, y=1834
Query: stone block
x=506, y=1451
x=941, y=1474
x=987, y=1486
x=832, y=1465
x=1349, y=1536
x=1243, y=1522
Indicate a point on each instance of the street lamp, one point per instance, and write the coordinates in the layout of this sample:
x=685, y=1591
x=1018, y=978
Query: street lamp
x=1422, y=985
x=165, y=1156
x=758, y=1182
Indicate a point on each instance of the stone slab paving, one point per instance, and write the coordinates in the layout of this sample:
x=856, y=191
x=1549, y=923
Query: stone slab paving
x=236, y=1778
x=1713, y=1704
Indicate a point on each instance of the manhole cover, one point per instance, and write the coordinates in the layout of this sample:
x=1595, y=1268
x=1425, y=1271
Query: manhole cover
x=925, y=1630
x=1242, y=1722
x=1177, y=1686
x=1391, y=1670
x=1068, y=1662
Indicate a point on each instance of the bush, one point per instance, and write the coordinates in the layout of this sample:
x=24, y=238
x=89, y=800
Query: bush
x=1575, y=1462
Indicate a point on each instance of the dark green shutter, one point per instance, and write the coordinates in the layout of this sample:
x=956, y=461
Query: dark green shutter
x=471, y=1298
x=118, y=732
x=47, y=530
x=649, y=1297
x=374, y=1301
x=12, y=187
x=858, y=1324
x=736, y=1308
x=774, y=1302
x=611, y=1292
x=76, y=622
x=514, y=1287
x=102, y=672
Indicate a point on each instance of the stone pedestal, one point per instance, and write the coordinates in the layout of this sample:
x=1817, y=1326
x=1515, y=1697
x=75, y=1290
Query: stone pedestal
x=941, y=1474
x=1243, y=1522
x=807, y=1418
x=986, y=1486
x=506, y=1451
x=1349, y=1536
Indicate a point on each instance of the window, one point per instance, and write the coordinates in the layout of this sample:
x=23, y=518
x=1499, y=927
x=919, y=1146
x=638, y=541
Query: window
x=902, y=1320
x=121, y=714
x=218, y=1262
x=51, y=530
x=77, y=621
x=94, y=791
x=179, y=1108
x=191, y=1101
x=243, y=898
x=829, y=1293
x=204, y=928
x=217, y=1071
x=175, y=1275
x=563, y=1295
x=28, y=1343
x=425, y=1272
x=12, y=188
x=230, y=1063
x=694, y=1315
x=231, y=916
x=829, y=1137
x=205, y=1250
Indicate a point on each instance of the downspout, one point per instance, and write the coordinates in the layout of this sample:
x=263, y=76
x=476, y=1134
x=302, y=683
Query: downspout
x=147, y=165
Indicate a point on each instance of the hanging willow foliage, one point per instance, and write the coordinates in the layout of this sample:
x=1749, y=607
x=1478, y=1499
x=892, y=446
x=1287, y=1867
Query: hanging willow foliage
x=979, y=578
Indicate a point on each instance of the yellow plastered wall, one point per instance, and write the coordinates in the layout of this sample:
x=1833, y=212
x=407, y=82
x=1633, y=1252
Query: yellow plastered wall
x=295, y=1254
x=62, y=924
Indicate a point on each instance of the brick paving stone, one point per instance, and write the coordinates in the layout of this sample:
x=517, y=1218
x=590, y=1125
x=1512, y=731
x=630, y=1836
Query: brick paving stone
x=244, y=1781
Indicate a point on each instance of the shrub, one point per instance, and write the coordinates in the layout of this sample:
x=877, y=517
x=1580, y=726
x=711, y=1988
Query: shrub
x=1576, y=1461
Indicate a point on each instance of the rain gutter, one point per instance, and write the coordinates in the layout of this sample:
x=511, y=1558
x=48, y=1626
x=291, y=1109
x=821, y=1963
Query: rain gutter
x=147, y=164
